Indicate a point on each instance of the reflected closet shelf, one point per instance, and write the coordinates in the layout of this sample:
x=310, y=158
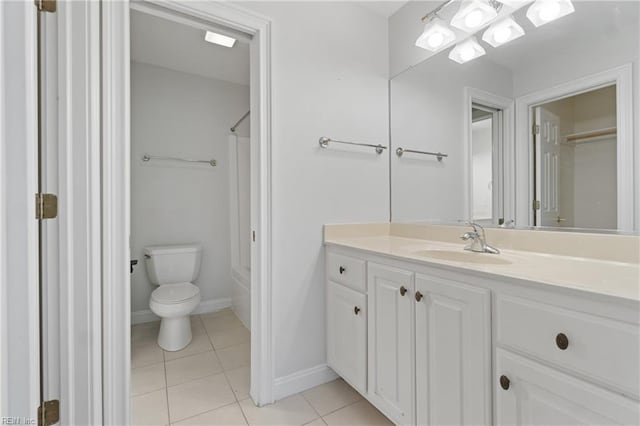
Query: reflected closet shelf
x=591, y=136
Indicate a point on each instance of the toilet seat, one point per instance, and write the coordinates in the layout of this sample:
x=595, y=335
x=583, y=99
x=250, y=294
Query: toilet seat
x=168, y=294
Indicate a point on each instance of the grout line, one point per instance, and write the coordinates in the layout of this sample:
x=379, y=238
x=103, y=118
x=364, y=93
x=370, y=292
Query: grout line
x=166, y=390
x=310, y=404
x=204, y=412
x=338, y=409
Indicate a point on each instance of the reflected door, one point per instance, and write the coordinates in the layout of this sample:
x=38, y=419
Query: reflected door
x=547, y=168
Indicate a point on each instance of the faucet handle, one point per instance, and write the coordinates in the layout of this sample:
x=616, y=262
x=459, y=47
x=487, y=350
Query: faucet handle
x=468, y=236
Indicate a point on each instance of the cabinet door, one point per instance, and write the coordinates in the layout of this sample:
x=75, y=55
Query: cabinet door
x=391, y=351
x=528, y=393
x=453, y=353
x=347, y=334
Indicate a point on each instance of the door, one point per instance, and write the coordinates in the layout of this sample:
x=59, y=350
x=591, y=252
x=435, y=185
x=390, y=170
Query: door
x=347, y=334
x=528, y=393
x=391, y=378
x=547, y=143
x=453, y=353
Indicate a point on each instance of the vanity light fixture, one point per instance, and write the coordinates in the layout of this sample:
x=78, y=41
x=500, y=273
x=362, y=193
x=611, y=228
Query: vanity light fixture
x=544, y=11
x=436, y=35
x=473, y=14
x=503, y=32
x=219, y=39
x=466, y=51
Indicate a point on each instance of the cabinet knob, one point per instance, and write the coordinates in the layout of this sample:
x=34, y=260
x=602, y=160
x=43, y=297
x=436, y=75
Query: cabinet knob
x=562, y=341
x=403, y=291
x=356, y=310
x=342, y=270
x=418, y=296
x=504, y=382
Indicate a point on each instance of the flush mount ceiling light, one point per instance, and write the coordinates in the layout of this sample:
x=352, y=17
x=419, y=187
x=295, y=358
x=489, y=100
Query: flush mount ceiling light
x=220, y=39
x=466, y=51
x=544, y=11
x=503, y=32
x=436, y=35
x=473, y=14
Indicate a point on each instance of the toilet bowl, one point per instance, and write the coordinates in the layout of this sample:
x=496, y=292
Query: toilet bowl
x=173, y=268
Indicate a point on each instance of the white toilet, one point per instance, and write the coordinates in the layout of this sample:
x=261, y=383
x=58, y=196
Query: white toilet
x=173, y=268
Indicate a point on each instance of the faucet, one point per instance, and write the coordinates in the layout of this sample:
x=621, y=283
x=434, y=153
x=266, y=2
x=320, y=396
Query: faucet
x=478, y=239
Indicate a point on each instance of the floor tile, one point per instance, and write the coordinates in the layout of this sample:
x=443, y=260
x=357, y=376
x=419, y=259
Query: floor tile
x=316, y=422
x=199, y=396
x=331, y=396
x=199, y=343
x=229, y=415
x=145, y=354
x=146, y=332
x=239, y=379
x=361, y=413
x=150, y=409
x=192, y=367
x=147, y=379
x=230, y=337
x=226, y=312
x=221, y=323
x=234, y=356
x=294, y=411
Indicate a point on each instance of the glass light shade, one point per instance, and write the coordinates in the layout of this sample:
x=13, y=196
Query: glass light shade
x=544, y=11
x=466, y=51
x=515, y=3
x=473, y=14
x=436, y=35
x=503, y=32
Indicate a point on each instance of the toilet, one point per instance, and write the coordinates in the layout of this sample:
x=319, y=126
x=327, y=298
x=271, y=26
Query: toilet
x=173, y=268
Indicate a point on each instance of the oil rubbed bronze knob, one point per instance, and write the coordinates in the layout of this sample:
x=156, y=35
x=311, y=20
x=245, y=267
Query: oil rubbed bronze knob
x=418, y=296
x=403, y=291
x=342, y=269
x=504, y=382
x=562, y=341
x=356, y=310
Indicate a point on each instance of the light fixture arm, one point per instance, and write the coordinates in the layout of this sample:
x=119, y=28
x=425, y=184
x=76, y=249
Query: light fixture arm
x=494, y=3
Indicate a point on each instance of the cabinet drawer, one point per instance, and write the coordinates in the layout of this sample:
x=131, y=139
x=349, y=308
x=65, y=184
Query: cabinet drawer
x=346, y=270
x=605, y=350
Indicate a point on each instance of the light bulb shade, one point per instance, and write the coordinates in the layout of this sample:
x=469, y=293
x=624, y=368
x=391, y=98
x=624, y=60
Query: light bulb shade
x=473, y=14
x=503, y=32
x=544, y=11
x=515, y=4
x=466, y=51
x=436, y=35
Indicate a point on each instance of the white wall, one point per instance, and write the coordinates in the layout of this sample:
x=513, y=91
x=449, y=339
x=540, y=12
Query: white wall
x=178, y=114
x=329, y=78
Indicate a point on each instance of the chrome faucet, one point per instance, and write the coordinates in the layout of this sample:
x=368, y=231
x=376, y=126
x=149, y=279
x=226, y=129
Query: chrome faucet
x=478, y=239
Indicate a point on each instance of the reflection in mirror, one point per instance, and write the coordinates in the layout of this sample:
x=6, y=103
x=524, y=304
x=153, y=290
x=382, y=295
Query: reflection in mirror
x=538, y=130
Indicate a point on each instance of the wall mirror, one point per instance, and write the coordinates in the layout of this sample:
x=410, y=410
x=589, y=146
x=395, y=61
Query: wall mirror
x=536, y=132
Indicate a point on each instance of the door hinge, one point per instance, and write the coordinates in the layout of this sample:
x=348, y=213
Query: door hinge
x=46, y=206
x=46, y=5
x=49, y=413
x=253, y=233
x=536, y=204
x=535, y=129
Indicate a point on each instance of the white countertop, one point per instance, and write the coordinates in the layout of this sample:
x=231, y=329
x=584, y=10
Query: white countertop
x=602, y=277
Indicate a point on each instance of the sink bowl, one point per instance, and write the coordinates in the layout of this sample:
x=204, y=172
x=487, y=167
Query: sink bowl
x=464, y=256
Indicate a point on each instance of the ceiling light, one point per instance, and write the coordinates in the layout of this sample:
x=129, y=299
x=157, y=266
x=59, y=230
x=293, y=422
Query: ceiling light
x=436, y=35
x=473, y=14
x=503, y=32
x=544, y=11
x=220, y=39
x=466, y=51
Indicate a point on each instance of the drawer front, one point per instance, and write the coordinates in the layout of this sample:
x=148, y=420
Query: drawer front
x=346, y=270
x=605, y=350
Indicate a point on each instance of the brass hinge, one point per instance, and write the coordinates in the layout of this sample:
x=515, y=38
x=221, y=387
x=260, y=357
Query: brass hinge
x=49, y=413
x=254, y=236
x=46, y=5
x=535, y=129
x=46, y=206
x=536, y=204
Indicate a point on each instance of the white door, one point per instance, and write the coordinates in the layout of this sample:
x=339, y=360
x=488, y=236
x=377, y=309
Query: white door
x=347, y=334
x=528, y=393
x=453, y=353
x=391, y=374
x=547, y=172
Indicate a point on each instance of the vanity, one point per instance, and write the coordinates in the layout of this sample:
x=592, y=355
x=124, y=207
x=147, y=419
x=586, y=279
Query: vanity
x=432, y=334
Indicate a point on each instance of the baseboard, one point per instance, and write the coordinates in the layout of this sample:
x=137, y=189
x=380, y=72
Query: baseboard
x=205, y=307
x=302, y=380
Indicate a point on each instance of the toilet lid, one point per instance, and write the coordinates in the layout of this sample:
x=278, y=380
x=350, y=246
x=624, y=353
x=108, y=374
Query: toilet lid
x=174, y=293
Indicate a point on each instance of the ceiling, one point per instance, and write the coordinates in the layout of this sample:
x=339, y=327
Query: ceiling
x=180, y=47
x=383, y=8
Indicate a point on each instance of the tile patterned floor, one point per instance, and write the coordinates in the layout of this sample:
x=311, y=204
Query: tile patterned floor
x=207, y=383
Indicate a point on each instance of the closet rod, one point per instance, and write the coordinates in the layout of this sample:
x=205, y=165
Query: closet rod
x=148, y=157
x=235, y=126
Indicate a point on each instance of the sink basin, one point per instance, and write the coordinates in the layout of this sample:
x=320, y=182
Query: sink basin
x=464, y=256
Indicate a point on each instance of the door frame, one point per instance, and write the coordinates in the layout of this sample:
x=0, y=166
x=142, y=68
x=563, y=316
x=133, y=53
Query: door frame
x=115, y=58
x=622, y=78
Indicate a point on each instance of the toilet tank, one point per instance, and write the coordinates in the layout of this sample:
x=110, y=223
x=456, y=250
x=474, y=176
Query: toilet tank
x=170, y=264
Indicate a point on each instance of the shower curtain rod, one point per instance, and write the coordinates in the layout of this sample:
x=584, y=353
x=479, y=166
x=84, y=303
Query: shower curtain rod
x=235, y=126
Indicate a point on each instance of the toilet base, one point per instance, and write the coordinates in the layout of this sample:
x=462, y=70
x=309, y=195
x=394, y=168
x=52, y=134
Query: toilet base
x=175, y=333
